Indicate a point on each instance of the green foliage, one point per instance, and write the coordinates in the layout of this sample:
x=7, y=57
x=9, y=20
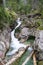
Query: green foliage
x=40, y=28
x=40, y=63
x=39, y=22
x=1, y=2
x=22, y=7
x=12, y=5
x=19, y=6
x=7, y=16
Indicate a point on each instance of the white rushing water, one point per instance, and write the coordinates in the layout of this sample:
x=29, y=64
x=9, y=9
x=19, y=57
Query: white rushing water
x=15, y=44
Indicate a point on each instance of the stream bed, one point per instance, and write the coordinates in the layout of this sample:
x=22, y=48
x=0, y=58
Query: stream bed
x=22, y=59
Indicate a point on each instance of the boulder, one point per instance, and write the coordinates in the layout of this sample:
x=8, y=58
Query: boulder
x=39, y=39
x=25, y=32
x=4, y=41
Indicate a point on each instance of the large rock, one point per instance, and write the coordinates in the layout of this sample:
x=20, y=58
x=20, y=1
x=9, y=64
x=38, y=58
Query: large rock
x=4, y=41
x=25, y=32
x=39, y=39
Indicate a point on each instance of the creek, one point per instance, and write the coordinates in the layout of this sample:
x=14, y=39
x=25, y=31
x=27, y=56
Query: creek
x=15, y=44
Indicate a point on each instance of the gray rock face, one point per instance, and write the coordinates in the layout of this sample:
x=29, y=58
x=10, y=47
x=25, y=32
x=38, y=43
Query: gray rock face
x=38, y=44
x=4, y=41
x=41, y=56
x=25, y=31
x=39, y=39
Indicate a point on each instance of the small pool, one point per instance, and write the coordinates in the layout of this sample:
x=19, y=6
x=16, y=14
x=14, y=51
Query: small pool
x=30, y=62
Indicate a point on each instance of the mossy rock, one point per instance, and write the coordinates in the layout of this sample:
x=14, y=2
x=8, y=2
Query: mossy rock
x=40, y=63
x=40, y=28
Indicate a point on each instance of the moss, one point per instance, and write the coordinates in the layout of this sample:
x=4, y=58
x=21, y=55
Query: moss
x=7, y=16
x=40, y=28
x=40, y=63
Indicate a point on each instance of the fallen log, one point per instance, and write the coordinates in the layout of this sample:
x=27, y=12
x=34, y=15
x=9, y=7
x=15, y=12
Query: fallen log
x=34, y=59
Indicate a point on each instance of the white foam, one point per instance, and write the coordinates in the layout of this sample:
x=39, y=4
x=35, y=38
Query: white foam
x=15, y=44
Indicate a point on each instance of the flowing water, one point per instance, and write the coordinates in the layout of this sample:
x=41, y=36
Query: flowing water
x=15, y=44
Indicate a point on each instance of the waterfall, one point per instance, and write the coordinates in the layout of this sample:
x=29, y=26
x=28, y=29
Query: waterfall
x=15, y=44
